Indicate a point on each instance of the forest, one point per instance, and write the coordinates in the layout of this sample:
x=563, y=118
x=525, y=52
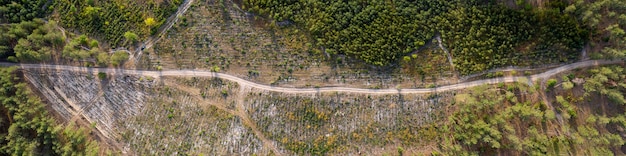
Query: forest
x=481, y=35
x=376, y=32
x=38, y=41
x=110, y=20
x=485, y=37
x=509, y=119
x=26, y=128
x=12, y=11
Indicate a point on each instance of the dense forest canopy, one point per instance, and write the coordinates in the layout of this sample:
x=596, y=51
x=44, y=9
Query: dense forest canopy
x=15, y=11
x=480, y=34
x=484, y=37
x=377, y=32
x=28, y=129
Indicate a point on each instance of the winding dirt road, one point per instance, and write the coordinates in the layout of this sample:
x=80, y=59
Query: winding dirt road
x=242, y=82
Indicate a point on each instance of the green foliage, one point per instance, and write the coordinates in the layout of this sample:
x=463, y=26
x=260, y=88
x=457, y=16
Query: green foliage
x=486, y=121
x=130, y=36
x=485, y=37
x=224, y=92
x=551, y=83
x=471, y=126
x=29, y=41
x=376, y=32
x=102, y=75
x=78, y=50
x=607, y=20
x=215, y=69
x=13, y=11
x=119, y=57
x=607, y=75
x=566, y=109
x=93, y=44
x=110, y=20
x=567, y=85
x=103, y=59
x=37, y=41
x=150, y=22
x=481, y=35
x=27, y=127
x=76, y=143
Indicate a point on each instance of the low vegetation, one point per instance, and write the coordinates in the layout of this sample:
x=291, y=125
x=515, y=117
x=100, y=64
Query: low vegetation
x=341, y=124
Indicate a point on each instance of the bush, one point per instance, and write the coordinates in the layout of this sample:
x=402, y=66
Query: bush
x=103, y=59
x=551, y=83
x=431, y=86
x=224, y=92
x=374, y=33
x=102, y=75
x=215, y=69
x=119, y=58
x=150, y=22
x=567, y=85
x=130, y=36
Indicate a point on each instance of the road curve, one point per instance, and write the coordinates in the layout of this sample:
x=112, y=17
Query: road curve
x=198, y=73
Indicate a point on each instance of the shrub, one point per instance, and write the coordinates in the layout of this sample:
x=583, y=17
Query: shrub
x=567, y=85
x=130, y=36
x=215, y=69
x=103, y=58
x=551, y=83
x=118, y=58
x=102, y=75
x=150, y=22
x=224, y=92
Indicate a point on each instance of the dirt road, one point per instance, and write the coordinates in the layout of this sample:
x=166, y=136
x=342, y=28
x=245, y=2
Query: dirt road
x=242, y=82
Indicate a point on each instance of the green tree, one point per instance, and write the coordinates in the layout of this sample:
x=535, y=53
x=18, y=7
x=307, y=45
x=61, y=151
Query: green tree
x=19, y=11
x=130, y=36
x=551, y=83
x=102, y=59
x=150, y=22
x=31, y=130
x=119, y=57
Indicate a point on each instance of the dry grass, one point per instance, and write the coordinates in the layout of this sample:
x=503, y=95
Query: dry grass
x=338, y=123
